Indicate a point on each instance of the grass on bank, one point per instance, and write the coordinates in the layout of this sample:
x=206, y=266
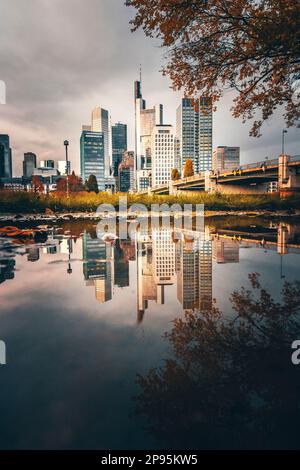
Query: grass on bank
x=15, y=202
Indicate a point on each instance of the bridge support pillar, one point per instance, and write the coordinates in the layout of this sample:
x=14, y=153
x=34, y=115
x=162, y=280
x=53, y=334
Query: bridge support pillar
x=288, y=178
x=172, y=188
x=225, y=188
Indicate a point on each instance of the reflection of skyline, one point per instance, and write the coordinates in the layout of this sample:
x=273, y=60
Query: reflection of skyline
x=164, y=258
x=194, y=273
x=98, y=266
x=7, y=268
x=225, y=251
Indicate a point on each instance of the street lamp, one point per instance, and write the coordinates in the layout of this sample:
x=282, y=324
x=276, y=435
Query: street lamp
x=284, y=131
x=69, y=270
x=66, y=144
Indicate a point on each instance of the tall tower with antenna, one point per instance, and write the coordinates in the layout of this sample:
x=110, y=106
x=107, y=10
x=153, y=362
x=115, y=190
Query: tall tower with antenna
x=145, y=121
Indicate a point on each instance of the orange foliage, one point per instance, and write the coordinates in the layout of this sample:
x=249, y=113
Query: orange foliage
x=250, y=47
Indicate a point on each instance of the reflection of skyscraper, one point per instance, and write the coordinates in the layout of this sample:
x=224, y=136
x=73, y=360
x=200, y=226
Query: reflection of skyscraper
x=33, y=253
x=98, y=266
x=7, y=267
x=205, y=274
x=225, y=251
x=146, y=287
x=194, y=273
x=121, y=267
x=163, y=260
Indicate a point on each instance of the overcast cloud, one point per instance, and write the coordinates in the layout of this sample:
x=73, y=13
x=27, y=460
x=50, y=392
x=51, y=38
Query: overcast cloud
x=60, y=58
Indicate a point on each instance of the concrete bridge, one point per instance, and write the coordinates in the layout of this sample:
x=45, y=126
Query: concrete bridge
x=247, y=179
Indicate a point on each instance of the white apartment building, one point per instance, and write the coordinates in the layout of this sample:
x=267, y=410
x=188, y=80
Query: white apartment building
x=162, y=153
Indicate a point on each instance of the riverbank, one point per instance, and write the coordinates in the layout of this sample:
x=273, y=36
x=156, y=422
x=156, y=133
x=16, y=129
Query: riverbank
x=87, y=203
x=20, y=218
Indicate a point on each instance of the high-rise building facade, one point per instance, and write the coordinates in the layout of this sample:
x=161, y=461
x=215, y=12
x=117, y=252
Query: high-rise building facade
x=29, y=164
x=145, y=121
x=119, y=145
x=126, y=172
x=5, y=157
x=226, y=158
x=63, y=167
x=205, y=134
x=194, y=133
x=92, y=159
x=101, y=123
x=163, y=154
x=47, y=164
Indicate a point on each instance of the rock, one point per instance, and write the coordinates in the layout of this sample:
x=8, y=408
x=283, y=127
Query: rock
x=49, y=211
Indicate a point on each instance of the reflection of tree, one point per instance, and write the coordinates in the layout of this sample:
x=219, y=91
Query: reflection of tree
x=230, y=383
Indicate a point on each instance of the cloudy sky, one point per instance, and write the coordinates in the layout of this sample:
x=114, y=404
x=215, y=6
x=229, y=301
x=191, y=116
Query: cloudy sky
x=60, y=58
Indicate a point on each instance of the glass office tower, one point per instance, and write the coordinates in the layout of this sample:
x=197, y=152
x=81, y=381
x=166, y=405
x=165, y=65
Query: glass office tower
x=194, y=133
x=119, y=145
x=101, y=123
x=29, y=164
x=92, y=159
x=5, y=157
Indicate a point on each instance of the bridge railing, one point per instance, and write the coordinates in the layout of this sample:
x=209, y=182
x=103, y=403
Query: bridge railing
x=294, y=158
x=159, y=186
x=273, y=161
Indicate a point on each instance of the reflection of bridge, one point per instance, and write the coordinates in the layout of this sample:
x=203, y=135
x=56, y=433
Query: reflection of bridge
x=247, y=179
x=284, y=238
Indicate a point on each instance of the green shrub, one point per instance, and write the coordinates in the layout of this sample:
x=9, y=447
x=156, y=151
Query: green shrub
x=14, y=202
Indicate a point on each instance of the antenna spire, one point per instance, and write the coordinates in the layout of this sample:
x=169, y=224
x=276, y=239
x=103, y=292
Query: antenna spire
x=141, y=75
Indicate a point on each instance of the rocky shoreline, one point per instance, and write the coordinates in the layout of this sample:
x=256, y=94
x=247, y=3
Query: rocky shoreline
x=69, y=216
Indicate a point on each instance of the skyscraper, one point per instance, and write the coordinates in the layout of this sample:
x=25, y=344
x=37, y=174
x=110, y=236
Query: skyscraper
x=92, y=160
x=5, y=157
x=145, y=121
x=101, y=123
x=226, y=158
x=194, y=133
x=62, y=167
x=47, y=164
x=126, y=172
x=205, y=134
x=163, y=154
x=119, y=145
x=29, y=164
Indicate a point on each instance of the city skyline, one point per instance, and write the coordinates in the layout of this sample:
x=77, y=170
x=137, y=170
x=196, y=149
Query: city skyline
x=45, y=108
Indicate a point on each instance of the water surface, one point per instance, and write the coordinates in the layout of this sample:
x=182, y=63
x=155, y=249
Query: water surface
x=82, y=318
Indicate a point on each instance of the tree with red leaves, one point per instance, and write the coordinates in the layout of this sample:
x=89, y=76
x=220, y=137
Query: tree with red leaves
x=252, y=47
x=75, y=184
x=37, y=184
